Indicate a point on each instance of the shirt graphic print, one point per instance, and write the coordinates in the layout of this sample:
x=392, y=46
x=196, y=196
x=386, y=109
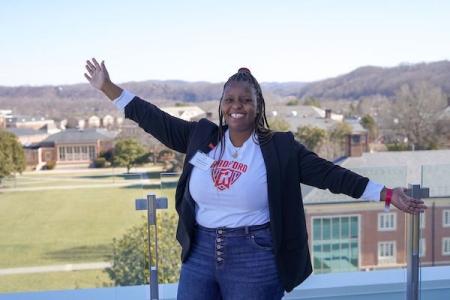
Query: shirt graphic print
x=224, y=173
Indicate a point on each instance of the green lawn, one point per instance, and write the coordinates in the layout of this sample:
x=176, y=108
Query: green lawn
x=53, y=281
x=65, y=226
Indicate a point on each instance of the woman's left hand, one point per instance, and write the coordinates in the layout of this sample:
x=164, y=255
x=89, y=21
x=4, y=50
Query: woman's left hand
x=405, y=203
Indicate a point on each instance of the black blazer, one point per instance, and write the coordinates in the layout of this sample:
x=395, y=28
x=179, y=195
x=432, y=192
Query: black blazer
x=288, y=163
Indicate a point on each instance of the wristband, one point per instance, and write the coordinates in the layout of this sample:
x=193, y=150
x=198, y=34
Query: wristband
x=388, y=199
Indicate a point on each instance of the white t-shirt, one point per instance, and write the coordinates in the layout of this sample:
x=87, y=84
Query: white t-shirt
x=233, y=192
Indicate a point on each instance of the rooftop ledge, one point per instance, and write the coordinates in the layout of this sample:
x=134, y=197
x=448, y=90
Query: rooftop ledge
x=380, y=284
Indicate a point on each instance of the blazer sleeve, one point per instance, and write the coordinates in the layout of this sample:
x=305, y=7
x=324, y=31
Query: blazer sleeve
x=173, y=132
x=323, y=174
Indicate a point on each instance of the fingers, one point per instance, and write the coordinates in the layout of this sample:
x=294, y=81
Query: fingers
x=94, y=66
x=415, y=206
x=89, y=64
x=90, y=67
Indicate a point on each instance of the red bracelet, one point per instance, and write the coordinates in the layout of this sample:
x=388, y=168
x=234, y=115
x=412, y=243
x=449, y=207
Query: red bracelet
x=388, y=199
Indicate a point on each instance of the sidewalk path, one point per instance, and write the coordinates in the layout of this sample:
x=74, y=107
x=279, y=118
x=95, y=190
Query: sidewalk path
x=56, y=268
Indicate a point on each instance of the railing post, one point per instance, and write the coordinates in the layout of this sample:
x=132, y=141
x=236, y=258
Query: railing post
x=413, y=263
x=151, y=204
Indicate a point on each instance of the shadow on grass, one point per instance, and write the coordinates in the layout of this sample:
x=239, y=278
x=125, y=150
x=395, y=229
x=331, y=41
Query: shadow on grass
x=102, y=252
x=131, y=176
x=145, y=186
x=125, y=176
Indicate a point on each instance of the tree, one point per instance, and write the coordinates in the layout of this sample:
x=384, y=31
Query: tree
x=414, y=114
x=12, y=155
x=129, y=153
x=130, y=265
x=279, y=124
x=294, y=102
x=310, y=136
x=367, y=122
x=312, y=102
x=334, y=146
x=352, y=111
x=328, y=144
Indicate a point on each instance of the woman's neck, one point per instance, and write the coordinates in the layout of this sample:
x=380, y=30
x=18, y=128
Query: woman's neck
x=239, y=138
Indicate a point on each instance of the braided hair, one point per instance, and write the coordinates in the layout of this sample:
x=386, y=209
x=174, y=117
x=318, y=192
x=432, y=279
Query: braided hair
x=262, y=133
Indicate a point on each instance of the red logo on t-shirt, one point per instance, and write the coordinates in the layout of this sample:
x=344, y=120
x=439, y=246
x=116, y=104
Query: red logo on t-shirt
x=224, y=173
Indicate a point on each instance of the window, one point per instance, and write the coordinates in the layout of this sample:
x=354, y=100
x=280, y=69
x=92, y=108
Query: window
x=48, y=156
x=69, y=153
x=387, y=221
x=62, y=153
x=446, y=218
x=77, y=153
x=446, y=246
x=386, y=253
x=84, y=153
x=92, y=152
x=335, y=244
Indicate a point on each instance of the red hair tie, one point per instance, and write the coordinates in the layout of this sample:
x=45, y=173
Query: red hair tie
x=242, y=70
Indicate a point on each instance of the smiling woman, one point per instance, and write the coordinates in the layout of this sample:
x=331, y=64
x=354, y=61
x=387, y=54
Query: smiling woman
x=242, y=225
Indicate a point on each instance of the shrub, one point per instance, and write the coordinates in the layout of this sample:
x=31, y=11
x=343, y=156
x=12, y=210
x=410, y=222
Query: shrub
x=50, y=165
x=100, y=162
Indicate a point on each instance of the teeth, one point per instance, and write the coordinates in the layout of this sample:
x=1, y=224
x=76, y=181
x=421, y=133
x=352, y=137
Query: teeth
x=237, y=116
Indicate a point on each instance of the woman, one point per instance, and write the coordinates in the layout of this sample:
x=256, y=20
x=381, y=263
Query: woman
x=241, y=218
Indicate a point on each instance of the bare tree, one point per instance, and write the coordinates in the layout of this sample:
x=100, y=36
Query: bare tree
x=414, y=116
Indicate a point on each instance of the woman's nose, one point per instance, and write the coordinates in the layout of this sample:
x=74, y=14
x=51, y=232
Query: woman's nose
x=237, y=103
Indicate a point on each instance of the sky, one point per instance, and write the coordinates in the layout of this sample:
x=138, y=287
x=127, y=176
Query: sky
x=47, y=42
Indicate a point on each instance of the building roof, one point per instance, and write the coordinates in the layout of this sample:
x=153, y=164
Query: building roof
x=27, y=119
x=394, y=168
x=80, y=135
x=309, y=115
x=22, y=132
x=184, y=112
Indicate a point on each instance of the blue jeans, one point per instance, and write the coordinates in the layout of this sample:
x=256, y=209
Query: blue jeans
x=230, y=264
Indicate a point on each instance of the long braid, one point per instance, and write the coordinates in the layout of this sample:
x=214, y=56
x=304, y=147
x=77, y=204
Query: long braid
x=262, y=129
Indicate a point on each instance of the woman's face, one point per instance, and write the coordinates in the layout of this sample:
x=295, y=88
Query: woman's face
x=239, y=106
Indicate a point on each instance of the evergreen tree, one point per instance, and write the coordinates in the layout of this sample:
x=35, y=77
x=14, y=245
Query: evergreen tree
x=12, y=155
x=129, y=153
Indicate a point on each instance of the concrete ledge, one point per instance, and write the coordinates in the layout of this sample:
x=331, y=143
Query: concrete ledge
x=373, y=285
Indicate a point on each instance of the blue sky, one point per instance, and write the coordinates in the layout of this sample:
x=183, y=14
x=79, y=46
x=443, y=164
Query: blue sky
x=47, y=42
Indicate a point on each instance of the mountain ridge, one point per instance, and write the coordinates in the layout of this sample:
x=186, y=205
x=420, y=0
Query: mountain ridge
x=361, y=82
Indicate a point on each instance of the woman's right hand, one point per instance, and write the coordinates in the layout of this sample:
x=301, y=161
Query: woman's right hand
x=98, y=75
x=99, y=78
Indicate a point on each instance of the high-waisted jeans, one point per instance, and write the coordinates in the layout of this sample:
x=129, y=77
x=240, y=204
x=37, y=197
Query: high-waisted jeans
x=230, y=264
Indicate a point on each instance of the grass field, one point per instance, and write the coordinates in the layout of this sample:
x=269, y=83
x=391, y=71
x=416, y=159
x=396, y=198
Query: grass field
x=65, y=225
x=53, y=281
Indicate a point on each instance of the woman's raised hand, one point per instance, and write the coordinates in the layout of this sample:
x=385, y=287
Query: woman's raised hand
x=98, y=75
